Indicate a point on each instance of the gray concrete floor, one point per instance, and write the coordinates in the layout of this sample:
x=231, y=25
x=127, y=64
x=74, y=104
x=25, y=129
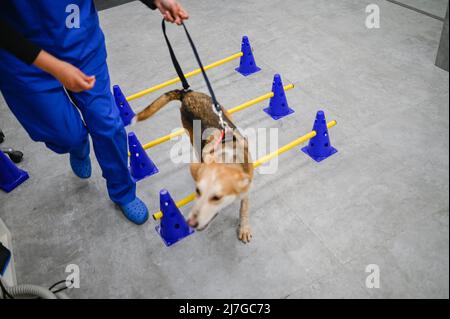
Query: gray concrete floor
x=436, y=8
x=383, y=199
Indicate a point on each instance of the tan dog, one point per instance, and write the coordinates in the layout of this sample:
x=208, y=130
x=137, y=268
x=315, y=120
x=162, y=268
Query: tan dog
x=225, y=172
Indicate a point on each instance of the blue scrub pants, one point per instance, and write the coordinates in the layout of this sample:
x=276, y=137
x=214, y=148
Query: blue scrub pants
x=50, y=117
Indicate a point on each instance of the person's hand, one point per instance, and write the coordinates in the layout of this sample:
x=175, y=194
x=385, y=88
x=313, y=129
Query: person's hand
x=73, y=78
x=70, y=76
x=172, y=11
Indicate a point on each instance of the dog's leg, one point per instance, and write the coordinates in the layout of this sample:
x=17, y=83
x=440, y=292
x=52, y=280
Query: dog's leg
x=245, y=233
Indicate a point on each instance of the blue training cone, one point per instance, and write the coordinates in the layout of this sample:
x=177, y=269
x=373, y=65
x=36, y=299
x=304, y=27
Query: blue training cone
x=10, y=175
x=278, y=107
x=141, y=166
x=319, y=147
x=126, y=113
x=173, y=226
x=247, y=64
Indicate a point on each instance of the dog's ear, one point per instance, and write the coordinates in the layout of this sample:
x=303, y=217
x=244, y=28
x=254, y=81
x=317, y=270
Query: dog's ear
x=242, y=183
x=196, y=169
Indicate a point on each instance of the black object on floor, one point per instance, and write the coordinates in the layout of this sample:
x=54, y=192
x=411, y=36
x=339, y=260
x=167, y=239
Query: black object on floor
x=5, y=256
x=14, y=155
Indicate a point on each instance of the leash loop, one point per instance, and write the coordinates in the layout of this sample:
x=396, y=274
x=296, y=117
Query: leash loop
x=174, y=60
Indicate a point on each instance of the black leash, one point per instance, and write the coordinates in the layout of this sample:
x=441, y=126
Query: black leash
x=216, y=106
x=174, y=60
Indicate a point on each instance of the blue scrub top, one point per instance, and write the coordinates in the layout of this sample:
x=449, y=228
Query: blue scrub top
x=44, y=23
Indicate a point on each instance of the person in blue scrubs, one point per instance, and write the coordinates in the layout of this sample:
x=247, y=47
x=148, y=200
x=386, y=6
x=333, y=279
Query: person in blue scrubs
x=62, y=95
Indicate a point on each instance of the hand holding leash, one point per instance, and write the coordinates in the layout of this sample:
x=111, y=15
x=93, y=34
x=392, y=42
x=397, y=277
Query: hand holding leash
x=172, y=11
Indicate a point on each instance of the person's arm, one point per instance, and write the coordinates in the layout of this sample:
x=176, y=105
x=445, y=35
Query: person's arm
x=13, y=42
x=16, y=44
x=150, y=4
x=170, y=9
x=70, y=76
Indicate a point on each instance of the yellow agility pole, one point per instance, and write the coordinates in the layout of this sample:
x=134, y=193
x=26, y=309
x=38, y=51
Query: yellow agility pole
x=290, y=146
x=259, y=162
x=238, y=108
x=257, y=100
x=187, y=75
x=163, y=139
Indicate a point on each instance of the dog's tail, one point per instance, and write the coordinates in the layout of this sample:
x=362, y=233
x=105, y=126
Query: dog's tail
x=159, y=103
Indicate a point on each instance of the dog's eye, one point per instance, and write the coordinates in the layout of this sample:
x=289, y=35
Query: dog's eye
x=198, y=191
x=216, y=198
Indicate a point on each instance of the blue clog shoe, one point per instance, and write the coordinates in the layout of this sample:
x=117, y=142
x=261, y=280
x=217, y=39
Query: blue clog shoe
x=81, y=168
x=135, y=211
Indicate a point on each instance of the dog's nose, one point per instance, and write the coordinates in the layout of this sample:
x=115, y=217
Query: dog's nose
x=192, y=222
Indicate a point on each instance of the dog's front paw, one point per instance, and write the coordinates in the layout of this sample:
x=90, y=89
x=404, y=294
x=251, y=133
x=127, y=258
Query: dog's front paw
x=245, y=234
